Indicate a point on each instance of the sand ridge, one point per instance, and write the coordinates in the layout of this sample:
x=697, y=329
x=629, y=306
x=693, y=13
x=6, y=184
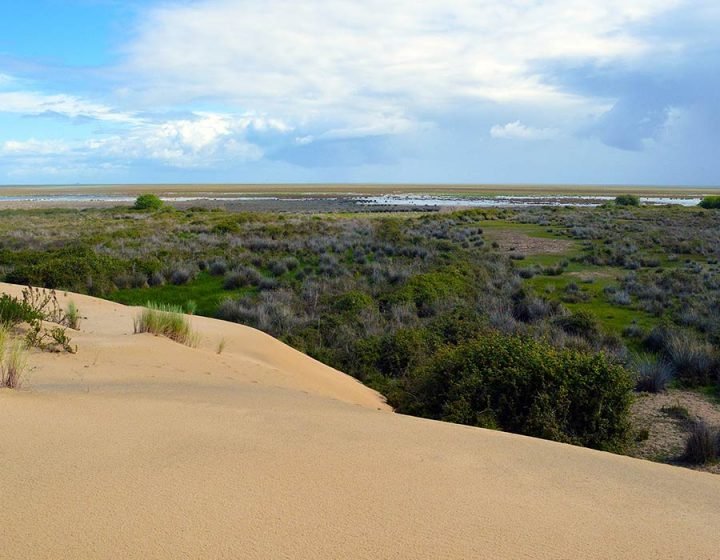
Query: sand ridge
x=139, y=447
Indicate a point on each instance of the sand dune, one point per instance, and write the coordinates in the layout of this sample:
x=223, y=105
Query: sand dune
x=139, y=447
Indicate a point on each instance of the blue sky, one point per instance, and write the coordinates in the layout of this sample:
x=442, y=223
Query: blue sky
x=469, y=91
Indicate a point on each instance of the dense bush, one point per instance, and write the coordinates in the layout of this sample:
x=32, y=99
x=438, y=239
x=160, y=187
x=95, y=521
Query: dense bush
x=627, y=200
x=524, y=386
x=74, y=268
x=710, y=202
x=148, y=202
x=14, y=311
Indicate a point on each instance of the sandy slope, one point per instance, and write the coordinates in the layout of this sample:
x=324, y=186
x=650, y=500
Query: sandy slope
x=138, y=447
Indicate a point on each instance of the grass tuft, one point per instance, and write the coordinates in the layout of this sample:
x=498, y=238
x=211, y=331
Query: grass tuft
x=703, y=444
x=653, y=373
x=72, y=316
x=13, y=361
x=166, y=320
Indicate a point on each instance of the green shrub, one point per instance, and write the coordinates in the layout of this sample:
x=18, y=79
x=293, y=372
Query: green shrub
x=73, y=268
x=710, y=202
x=527, y=387
x=13, y=312
x=425, y=290
x=627, y=200
x=580, y=323
x=350, y=304
x=166, y=320
x=148, y=202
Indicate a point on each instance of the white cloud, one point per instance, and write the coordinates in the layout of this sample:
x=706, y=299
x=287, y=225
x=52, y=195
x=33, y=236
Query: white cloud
x=350, y=63
x=208, y=139
x=35, y=103
x=203, y=140
x=33, y=147
x=518, y=131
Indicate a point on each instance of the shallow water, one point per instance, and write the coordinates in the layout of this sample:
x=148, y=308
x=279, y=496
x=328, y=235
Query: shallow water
x=511, y=201
x=414, y=200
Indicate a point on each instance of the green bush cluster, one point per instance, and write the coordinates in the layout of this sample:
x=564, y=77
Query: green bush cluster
x=710, y=202
x=627, y=200
x=14, y=312
x=524, y=386
x=75, y=268
x=148, y=202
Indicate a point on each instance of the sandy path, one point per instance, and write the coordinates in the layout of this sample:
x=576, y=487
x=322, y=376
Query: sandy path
x=138, y=447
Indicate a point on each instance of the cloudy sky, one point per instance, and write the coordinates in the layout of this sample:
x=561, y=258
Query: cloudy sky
x=469, y=91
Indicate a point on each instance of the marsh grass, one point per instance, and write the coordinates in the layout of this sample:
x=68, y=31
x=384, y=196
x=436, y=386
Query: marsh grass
x=166, y=320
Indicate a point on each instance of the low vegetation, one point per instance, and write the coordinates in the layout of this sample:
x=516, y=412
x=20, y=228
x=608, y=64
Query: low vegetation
x=410, y=303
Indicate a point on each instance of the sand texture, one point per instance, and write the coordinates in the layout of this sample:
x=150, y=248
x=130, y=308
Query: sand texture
x=140, y=448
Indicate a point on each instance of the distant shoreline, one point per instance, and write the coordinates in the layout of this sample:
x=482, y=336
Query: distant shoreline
x=354, y=188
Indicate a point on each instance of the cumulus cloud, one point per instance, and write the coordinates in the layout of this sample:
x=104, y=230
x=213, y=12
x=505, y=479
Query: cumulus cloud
x=518, y=131
x=203, y=140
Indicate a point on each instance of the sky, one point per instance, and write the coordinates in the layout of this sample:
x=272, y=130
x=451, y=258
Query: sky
x=313, y=91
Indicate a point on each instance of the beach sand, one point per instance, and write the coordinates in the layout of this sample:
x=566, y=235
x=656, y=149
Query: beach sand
x=138, y=447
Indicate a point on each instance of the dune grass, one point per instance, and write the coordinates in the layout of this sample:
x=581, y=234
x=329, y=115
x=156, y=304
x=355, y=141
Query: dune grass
x=166, y=320
x=13, y=360
x=72, y=316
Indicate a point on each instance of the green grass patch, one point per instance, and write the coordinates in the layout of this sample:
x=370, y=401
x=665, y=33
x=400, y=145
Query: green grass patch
x=206, y=291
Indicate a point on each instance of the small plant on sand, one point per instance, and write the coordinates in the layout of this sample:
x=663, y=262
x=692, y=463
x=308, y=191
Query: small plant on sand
x=43, y=303
x=13, y=361
x=37, y=307
x=166, y=320
x=72, y=316
x=53, y=339
x=221, y=346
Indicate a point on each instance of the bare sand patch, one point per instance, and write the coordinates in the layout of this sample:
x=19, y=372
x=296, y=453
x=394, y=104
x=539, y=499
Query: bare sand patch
x=523, y=244
x=667, y=417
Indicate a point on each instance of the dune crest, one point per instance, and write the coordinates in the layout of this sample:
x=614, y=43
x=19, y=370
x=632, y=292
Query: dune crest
x=140, y=447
